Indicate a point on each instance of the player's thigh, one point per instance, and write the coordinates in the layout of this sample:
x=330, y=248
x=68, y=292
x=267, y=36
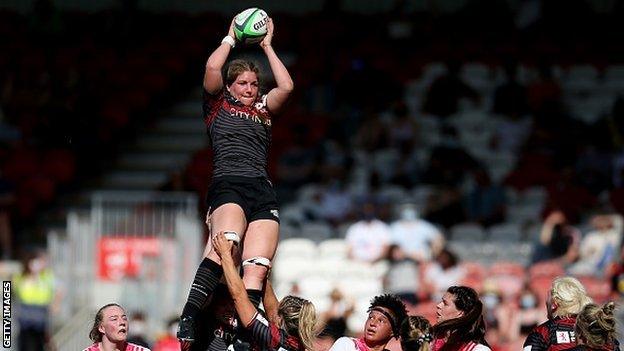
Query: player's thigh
x=261, y=239
x=227, y=217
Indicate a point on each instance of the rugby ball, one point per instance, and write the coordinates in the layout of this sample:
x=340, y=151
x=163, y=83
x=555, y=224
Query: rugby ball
x=250, y=26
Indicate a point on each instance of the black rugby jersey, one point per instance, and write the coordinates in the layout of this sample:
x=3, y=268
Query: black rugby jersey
x=240, y=135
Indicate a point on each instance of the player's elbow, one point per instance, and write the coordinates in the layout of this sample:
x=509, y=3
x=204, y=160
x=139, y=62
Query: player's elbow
x=287, y=87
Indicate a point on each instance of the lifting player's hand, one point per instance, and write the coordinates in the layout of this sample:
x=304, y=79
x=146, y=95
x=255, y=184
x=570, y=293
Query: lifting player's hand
x=266, y=42
x=222, y=246
x=231, y=29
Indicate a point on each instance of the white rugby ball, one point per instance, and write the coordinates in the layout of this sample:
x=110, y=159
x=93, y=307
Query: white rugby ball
x=250, y=26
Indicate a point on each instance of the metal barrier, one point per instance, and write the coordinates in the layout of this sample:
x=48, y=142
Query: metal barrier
x=139, y=249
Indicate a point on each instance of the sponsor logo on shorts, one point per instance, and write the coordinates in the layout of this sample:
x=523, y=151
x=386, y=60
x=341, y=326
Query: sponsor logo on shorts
x=275, y=213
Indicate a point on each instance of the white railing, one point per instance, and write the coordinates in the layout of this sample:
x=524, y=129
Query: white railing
x=158, y=288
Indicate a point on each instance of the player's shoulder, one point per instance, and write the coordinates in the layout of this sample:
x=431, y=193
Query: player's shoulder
x=481, y=347
x=93, y=347
x=343, y=343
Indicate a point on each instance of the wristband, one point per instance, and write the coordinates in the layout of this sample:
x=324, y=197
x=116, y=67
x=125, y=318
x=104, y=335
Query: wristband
x=229, y=40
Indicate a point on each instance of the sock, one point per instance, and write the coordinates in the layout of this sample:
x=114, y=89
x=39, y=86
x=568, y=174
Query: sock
x=206, y=279
x=255, y=296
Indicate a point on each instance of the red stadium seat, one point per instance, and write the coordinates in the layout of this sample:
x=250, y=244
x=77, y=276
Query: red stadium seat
x=426, y=309
x=507, y=269
x=541, y=286
x=547, y=269
x=474, y=270
x=598, y=288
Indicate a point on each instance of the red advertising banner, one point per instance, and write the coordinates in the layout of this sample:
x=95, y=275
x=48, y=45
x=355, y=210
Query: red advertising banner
x=121, y=257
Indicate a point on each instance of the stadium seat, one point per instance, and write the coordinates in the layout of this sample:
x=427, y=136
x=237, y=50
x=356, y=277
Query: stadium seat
x=292, y=214
x=547, y=269
x=508, y=285
x=290, y=269
x=505, y=232
x=534, y=196
x=332, y=269
x=307, y=192
x=333, y=248
x=361, y=287
x=474, y=269
x=598, y=288
x=541, y=286
x=467, y=232
x=507, y=268
x=303, y=248
x=522, y=214
x=316, y=231
x=426, y=309
x=287, y=231
x=314, y=287
x=473, y=282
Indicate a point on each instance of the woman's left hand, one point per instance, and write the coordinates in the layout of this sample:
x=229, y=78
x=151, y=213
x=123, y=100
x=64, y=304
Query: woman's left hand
x=266, y=42
x=222, y=246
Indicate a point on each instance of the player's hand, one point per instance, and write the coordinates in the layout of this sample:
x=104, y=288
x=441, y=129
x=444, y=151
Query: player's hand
x=222, y=246
x=266, y=42
x=231, y=29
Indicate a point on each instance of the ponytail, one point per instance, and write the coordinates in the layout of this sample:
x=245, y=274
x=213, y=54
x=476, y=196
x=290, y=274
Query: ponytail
x=307, y=325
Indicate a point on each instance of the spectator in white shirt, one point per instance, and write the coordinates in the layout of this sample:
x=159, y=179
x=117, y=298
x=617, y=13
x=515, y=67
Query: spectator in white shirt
x=368, y=239
x=418, y=238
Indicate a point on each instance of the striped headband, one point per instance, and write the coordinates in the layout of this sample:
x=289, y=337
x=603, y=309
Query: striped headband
x=390, y=317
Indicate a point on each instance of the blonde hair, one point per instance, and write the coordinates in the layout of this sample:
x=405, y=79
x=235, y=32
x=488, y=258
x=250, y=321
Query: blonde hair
x=299, y=318
x=238, y=66
x=595, y=325
x=95, y=335
x=569, y=295
x=416, y=334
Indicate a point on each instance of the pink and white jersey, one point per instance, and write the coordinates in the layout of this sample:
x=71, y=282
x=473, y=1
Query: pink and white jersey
x=129, y=347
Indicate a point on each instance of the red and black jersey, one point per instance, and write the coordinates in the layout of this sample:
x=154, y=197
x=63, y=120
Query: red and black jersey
x=553, y=335
x=615, y=346
x=240, y=135
x=267, y=336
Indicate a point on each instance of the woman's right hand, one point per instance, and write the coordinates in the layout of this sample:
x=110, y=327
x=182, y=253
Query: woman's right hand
x=223, y=247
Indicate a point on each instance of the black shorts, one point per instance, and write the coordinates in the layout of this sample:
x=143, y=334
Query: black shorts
x=255, y=196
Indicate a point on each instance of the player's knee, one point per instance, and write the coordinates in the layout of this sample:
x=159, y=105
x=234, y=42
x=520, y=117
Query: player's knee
x=256, y=267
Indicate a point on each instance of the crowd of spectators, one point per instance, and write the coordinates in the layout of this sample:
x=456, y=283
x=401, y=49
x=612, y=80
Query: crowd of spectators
x=73, y=88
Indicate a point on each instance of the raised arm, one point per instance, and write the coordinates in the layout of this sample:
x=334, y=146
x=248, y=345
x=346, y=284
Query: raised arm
x=245, y=309
x=213, y=81
x=277, y=97
x=270, y=303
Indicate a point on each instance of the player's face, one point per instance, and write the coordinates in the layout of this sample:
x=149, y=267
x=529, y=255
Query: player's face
x=114, y=324
x=378, y=328
x=225, y=311
x=245, y=88
x=446, y=308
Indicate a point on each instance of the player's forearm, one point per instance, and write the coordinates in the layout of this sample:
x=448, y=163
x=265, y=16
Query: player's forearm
x=280, y=73
x=233, y=280
x=212, y=76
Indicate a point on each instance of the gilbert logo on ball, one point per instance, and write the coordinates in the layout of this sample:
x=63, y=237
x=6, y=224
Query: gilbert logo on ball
x=250, y=26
